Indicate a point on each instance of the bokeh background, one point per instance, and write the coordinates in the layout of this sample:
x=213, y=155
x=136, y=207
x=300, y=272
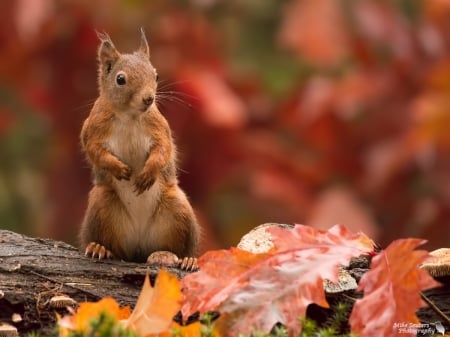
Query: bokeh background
x=299, y=111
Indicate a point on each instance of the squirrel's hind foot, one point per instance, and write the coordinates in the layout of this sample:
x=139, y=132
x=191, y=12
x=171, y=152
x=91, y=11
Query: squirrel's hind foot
x=169, y=259
x=96, y=250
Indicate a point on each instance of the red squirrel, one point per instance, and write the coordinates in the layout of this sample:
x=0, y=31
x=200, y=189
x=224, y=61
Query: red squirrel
x=136, y=210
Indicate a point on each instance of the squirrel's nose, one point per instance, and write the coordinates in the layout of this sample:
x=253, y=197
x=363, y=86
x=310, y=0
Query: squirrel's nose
x=148, y=100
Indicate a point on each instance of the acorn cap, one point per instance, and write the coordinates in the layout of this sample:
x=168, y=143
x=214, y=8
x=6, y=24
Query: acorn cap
x=438, y=264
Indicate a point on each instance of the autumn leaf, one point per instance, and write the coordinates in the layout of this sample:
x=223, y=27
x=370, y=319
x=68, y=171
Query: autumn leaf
x=391, y=290
x=220, y=106
x=89, y=310
x=254, y=291
x=153, y=313
x=431, y=119
x=191, y=330
x=156, y=306
x=314, y=29
x=306, y=236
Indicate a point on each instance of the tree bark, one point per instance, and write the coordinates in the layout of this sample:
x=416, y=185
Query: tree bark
x=33, y=270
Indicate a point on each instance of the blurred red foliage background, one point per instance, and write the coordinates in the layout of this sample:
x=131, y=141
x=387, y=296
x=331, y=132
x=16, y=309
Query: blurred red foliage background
x=299, y=111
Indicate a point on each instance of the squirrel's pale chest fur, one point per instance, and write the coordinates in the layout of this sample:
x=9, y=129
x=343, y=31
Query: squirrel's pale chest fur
x=135, y=207
x=129, y=142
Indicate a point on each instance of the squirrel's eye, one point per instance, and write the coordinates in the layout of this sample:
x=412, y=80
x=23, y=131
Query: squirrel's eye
x=120, y=79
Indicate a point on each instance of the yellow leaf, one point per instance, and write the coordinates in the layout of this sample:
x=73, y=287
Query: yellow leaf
x=89, y=310
x=63, y=331
x=191, y=330
x=156, y=306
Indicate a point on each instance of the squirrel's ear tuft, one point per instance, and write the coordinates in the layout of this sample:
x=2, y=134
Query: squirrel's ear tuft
x=103, y=36
x=107, y=53
x=144, y=49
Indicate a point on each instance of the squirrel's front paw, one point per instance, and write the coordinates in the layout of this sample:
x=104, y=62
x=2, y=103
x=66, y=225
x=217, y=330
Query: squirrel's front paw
x=121, y=171
x=168, y=259
x=143, y=182
x=95, y=249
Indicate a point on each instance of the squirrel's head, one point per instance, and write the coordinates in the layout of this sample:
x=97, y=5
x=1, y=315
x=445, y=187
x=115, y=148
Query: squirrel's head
x=128, y=81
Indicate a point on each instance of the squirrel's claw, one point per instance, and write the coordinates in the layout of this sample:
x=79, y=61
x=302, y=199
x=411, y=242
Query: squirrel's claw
x=189, y=264
x=124, y=172
x=95, y=249
x=143, y=183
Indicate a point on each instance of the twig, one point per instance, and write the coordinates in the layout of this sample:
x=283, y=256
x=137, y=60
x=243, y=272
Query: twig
x=435, y=308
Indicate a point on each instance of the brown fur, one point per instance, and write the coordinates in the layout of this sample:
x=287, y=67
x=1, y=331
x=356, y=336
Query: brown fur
x=135, y=206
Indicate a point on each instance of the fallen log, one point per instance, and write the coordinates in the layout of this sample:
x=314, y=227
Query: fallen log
x=35, y=270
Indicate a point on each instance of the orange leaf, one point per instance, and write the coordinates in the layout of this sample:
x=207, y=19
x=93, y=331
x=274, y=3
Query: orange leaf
x=89, y=310
x=156, y=306
x=314, y=29
x=391, y=290
x=234, y=262
x=220, y=106
x=431, y=120
x=305, y=236
x=256, y=291
x=191, y=330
